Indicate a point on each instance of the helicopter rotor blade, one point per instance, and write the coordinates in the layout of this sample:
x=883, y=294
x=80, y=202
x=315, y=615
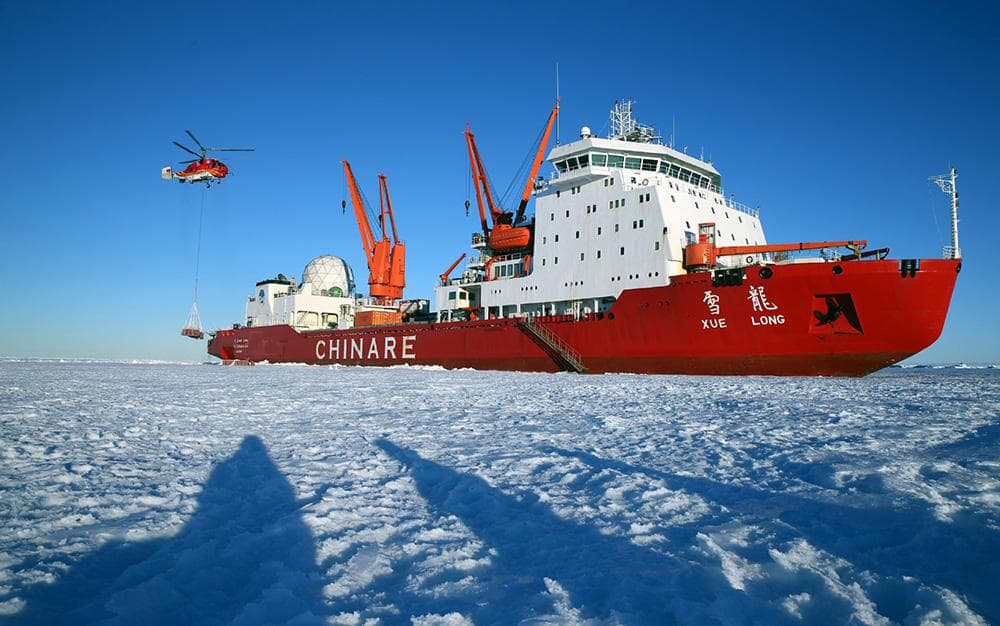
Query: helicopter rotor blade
x=191, y=135
x=186, y=149
x=230, y=149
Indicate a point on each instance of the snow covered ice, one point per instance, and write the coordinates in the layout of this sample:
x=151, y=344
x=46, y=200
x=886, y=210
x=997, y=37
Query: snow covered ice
x=172, y=494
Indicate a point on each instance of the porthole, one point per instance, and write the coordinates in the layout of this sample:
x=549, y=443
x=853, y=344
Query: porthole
x=766, y=272
x=837, y=269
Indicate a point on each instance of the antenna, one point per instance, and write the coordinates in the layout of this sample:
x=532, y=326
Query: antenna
x=949, y=186
x=559, y=111
x=673, y=129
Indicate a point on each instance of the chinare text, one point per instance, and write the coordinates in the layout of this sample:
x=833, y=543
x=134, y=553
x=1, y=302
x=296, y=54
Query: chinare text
x=367, y=348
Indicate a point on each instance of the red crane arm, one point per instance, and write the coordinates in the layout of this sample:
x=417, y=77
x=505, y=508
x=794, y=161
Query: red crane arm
x=475, y=180
x=367, y=239
x=384, y=190
x=495, y=212
x=447, y=272
x=789, y=247
x=537, y=163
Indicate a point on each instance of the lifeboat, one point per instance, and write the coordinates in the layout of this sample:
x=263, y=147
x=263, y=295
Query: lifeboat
x=505, y=237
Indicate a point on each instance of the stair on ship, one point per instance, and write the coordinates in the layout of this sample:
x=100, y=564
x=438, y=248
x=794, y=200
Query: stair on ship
x=562, y=353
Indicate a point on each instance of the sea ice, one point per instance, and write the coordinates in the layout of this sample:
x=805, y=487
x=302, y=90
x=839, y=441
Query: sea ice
x=161, y=493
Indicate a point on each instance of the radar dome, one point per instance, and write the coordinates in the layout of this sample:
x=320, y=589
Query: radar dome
x=328, y=276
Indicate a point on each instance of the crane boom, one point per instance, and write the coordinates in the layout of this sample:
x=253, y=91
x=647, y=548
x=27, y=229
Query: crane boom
x=367, y=239
x=495, y=212
x=539, y=156
x=475, y=181
x=451, y=268
x=789, y=247
x=384, y=191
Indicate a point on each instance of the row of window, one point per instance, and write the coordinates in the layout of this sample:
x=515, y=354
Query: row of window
x=641, y=164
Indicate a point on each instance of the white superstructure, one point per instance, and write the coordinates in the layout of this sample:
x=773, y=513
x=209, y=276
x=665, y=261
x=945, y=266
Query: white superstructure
x=615, y=214
x=324, y=299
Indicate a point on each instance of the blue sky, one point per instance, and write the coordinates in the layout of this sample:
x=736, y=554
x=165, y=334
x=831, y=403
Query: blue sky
x=831, y=117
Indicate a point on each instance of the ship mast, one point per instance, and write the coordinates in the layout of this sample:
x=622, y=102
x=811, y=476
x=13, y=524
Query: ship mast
x=949, y=186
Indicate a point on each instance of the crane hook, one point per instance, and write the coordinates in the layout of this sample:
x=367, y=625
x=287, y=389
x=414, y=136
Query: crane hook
x=466, y=208
x=343, y=206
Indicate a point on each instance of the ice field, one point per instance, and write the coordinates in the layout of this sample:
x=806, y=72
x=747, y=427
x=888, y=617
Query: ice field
x=182, y=494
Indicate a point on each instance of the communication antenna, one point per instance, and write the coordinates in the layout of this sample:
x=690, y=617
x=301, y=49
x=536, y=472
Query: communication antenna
x=673, y=129
x=949, y=185
x=558, y=112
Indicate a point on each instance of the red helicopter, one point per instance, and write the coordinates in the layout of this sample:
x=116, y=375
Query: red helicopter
x=201, y=169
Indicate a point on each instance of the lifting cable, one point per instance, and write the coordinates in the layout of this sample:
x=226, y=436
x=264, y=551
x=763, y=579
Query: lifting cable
x=192, y=328
x=525, y=165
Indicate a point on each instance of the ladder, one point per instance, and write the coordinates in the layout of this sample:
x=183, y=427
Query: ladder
x=565, y=356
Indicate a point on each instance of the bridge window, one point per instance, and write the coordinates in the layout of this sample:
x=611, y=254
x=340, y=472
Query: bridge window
x=571, y=163
x=561, y=166
x=675, y=171
x=583, y=158
x=616, y=160
x=599, y=159
x=632, y=163
x=649, y=165
x=664, y=167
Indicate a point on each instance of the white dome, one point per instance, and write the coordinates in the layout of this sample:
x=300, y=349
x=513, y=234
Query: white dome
x=329, y=276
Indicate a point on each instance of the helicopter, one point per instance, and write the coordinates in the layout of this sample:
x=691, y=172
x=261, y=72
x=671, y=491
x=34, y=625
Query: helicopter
x=202, y=169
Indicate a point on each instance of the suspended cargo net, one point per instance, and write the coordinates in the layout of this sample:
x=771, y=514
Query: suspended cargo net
x=192, y=328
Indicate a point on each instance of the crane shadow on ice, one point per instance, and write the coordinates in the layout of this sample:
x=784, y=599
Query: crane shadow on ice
x=895, y=539
x=244, y=557
x=601, y=575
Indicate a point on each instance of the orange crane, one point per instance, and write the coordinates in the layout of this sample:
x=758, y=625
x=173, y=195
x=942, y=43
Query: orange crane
x=447, y=272
x=505, y=235
x=386, y=260
x=701, y=256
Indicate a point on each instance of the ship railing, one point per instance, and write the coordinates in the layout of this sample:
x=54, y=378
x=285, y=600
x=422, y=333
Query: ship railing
x=739, y=206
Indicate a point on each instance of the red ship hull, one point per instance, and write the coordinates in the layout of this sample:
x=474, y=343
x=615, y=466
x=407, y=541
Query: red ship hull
x=810, y=319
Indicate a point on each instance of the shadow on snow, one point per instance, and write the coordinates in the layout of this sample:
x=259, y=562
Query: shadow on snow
x=244, y=557
x=896, y=540
x=605, y=576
